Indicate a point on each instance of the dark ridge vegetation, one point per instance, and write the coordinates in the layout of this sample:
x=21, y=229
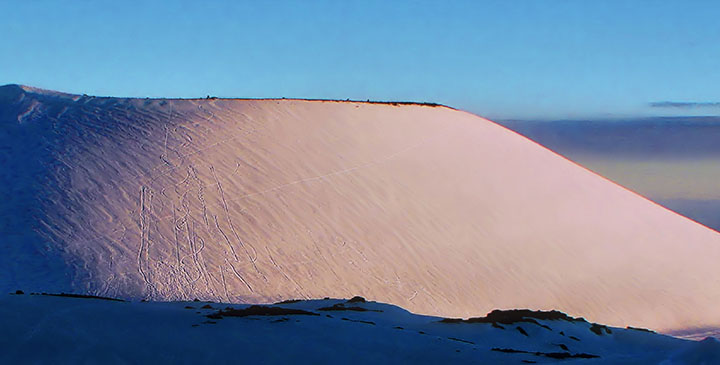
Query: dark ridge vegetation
x=259, y=310
x=289, y=301
x=562, y=346
x=19, y=292
x=367, y=101
x=640, y=329
x=206, y=306
x=552, y=355
x=573, y=338
x=599, y=328
x=81, y=296
x=212, y=97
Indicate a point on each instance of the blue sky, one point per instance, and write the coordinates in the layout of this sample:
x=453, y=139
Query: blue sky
x=500, y=59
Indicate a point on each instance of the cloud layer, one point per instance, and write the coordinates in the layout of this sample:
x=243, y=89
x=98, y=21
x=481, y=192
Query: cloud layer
x=685, y=104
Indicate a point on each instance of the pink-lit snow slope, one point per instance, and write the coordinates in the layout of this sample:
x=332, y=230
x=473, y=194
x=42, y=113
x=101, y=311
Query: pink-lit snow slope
x=429, y=208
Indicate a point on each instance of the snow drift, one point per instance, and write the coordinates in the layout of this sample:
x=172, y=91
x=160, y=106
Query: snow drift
x=429, y=208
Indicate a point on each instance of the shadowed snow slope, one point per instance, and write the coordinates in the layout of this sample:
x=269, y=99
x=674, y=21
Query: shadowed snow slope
x=432, y=209
x=82, y=330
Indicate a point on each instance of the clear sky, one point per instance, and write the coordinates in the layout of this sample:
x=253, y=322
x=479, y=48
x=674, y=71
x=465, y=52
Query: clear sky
x=500, y=59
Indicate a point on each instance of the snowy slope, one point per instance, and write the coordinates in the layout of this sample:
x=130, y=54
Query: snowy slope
x=71, y=330
x=246, y=201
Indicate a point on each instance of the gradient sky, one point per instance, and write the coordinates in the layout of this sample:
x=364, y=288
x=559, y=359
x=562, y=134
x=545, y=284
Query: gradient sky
x=500, y=59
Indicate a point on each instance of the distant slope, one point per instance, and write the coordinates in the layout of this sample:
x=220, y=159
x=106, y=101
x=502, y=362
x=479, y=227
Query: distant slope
x=671, y=160
x=429, y=208
x=42, y=329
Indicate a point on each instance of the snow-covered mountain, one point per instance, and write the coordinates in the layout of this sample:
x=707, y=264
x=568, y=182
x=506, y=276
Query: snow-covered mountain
x=432, y=209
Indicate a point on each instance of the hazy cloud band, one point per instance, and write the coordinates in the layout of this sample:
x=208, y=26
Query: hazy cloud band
x=684, y=104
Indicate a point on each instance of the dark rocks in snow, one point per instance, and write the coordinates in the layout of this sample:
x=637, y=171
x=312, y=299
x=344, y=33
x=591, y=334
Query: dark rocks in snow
x=461, y=340
x=521, y=315
x=342, y=307
x=358, y=321
x=640, y=329
x=81, y=296
x=259, y=310
x=598, y=329
x=515, y=316
x=357, y=299
x=552, y=355
x=289, y=301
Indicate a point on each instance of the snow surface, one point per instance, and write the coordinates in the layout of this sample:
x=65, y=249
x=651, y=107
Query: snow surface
x=248, y=201
x=44, y=329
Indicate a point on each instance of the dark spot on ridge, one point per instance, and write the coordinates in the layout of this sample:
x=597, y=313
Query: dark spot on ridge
x=357, y=299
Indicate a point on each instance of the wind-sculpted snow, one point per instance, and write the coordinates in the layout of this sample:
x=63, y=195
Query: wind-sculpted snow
x=250, y=201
